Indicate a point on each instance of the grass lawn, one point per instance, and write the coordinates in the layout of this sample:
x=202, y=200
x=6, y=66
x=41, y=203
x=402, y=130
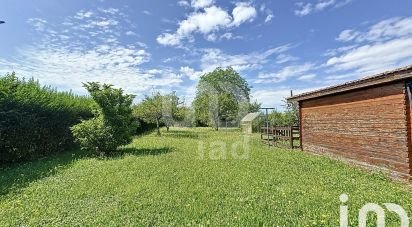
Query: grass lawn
x=182, y=178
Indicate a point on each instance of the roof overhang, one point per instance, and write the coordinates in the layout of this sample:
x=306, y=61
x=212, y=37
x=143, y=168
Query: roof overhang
x=378, y=79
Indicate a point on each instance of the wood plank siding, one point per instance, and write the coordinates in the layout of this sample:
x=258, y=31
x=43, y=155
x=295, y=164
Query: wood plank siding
x=370, y=126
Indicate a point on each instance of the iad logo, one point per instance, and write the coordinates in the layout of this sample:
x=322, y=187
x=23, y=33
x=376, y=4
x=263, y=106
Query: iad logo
x=372, y=207
x=220, y=150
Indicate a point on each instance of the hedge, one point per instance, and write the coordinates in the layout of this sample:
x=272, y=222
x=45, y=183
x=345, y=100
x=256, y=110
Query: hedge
x=35, y=120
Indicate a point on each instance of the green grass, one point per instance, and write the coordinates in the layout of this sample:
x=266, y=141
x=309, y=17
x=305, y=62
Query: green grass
x=167, y=181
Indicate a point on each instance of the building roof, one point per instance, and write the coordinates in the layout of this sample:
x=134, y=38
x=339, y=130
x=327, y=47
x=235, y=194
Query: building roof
x=381, y=78
x=250, y=117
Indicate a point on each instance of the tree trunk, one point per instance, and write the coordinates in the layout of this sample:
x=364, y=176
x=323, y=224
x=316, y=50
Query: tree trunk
x=158, y=128
x=167, y=128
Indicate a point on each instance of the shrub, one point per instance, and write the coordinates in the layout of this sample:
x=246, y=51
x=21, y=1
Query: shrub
x=112, y=125
x=35, y=120
x=94, y=135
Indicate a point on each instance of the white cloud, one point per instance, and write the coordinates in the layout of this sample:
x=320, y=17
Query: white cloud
x=168, y=39
x=274, y=97
x=303, y=9
x=82, y=14
x=374, y=58
x=104, y=23
x=38, y=23
x=147, y=12
x=269, y=17
x=208, y=20
x=384, y=30
x=347, y=35
x=212, y=58
x=269, y=13
x=131, y=33
x=190, y=72
x=211, y=37
x=197, y=4
x=307, y=77
x=385, y=45
x=285, y=73
x=67, y=69
x=67, y=56
x=183, y=3
x=227, y=35
x=212, y=19
x=111, y=11
x=339, y=50
x=321, y=5
x=243, y=12
x=283, y=58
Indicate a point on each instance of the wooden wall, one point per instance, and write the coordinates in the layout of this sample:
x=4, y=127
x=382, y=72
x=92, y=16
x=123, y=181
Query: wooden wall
x=367, y=126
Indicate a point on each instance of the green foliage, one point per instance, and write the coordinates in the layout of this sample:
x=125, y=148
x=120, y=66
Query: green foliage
x=160, y=109
x=151, y=110
x=35, y=120
x=287, y=117
x=228, y=106
x=221, y=94
x=254, y=107
x=143, y=127
x=95, y=135
x=292, y=112
x=173, y=109
x=164, y=182
x=113, y=124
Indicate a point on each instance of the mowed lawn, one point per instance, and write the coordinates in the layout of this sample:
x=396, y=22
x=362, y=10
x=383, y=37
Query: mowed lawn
x=182, y=178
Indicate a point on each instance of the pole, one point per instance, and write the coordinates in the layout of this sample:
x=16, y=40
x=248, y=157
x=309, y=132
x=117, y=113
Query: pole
x=267, y=121
x=267, y=127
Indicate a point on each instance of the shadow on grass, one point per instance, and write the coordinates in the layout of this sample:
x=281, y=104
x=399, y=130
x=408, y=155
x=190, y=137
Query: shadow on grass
x=140, y=151
x=183, y=134
x=16, y=176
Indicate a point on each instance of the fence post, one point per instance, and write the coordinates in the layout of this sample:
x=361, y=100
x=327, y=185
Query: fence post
x=291, y=136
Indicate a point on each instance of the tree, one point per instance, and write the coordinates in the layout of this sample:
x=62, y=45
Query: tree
x=160, y=109
x=287, y=117
x=150, y=110
x=219, y=95
x=291, y=112
x=172, y=109
x=254, y=106
x=112, y=124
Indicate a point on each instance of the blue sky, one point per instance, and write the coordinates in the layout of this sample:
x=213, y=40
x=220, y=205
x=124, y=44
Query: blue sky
x=143, y=46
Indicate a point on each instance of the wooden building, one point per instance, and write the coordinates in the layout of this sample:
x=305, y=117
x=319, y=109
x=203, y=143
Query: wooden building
x=366, y=121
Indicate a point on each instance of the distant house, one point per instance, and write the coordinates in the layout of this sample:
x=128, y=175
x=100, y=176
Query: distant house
x=366, y=121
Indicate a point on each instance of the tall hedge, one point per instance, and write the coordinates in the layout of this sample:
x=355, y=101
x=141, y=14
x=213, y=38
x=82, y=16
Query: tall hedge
x=35, y=120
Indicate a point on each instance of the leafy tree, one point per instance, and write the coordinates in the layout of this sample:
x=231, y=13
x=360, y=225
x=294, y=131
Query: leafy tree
x=112, y=125
x=160, y=109
x=150, y=110
x=228, y=106
x=219, y=95
x=291, y=112
x=172, y=109
x=254, y=107
x=288, y=117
